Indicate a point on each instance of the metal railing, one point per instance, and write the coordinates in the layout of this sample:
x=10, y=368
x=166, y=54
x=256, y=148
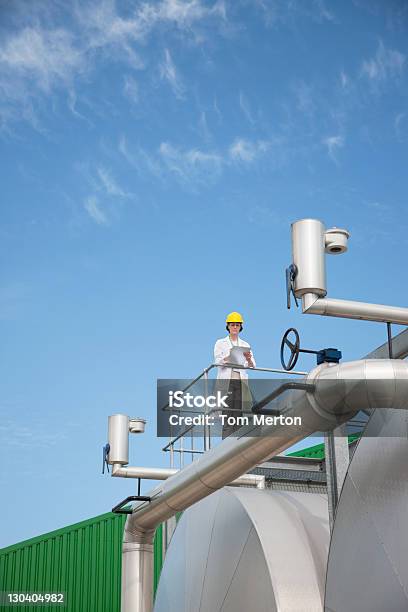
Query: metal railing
x=182, y=450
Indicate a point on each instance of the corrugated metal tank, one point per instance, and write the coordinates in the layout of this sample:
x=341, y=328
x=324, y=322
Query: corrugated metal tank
x=83, y=560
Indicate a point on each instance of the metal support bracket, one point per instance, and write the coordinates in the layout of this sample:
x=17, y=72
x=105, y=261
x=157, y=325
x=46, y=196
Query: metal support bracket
x=119, y=509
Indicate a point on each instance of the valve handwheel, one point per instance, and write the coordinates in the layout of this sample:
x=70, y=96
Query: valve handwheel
x=294, y=346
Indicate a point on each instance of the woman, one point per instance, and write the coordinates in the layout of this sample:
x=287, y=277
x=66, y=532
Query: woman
x=237, y=390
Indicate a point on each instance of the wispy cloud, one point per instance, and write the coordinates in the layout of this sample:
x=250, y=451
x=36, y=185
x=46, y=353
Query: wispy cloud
x=399, y=122
x=243, y=150
x=42, y=57
x=109, y=184
x=287, y=12
x=94, y=210
x=139, y=159
x=245, y=107
x=332, y=144
x=38, y=59
x=385, y=64
x=191, y=164
x=203, y=128
x=184, y=13
x=169, y=73
x=33, y=63
x=344, y=80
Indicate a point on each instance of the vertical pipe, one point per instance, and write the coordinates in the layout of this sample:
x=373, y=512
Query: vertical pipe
x=137, y=575
x=181, y=453
x=118, y=438
x=308, y=243
x=389, y=340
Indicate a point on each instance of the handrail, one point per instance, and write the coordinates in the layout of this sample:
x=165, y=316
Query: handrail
x=170, y=445
x=236, y=367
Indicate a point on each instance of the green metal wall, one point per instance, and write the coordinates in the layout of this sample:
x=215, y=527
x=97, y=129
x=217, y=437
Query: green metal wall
x=317, y=451
x=83, y=560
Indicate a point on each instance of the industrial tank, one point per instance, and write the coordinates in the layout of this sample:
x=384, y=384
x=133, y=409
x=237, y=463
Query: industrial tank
x=368, y=560
x=246, y=549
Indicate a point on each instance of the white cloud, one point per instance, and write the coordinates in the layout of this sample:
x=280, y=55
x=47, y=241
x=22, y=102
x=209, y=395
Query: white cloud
x=203, y=129
x=139, y=159
x=398, y=124
x=92, y=207
x=191, y=156
x=168, y=72
x=184, y=13
x=38, y=59
x=190, y=165
x=42, y=57
x=243, y=150
x=333, y=143
x=344, y=80
x=276, y=12
x=109, y=184
x=387, y=63
x=33, y=63
x=245, y=107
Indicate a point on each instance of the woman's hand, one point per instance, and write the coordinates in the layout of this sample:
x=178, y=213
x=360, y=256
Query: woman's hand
x=248, y=357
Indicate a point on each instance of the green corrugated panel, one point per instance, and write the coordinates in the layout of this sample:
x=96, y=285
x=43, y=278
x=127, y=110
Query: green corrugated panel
x=83, y=560
x=317, y=451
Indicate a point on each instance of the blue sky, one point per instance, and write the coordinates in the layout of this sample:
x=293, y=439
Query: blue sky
x=153, y=157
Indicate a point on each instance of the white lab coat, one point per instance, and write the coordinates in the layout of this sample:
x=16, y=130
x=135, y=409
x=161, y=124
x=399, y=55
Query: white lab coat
x=222, y=349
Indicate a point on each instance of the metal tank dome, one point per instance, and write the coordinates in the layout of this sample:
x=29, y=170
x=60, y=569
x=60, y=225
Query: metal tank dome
x=246, y=549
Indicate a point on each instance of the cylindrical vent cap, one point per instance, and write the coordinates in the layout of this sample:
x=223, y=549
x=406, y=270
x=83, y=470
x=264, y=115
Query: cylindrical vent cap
x=118, y=438
x=308, y=242
x=336, y=241
x=137, y=425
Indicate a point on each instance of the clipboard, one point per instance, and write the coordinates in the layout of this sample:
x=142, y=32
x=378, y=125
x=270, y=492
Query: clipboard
x=236, y=355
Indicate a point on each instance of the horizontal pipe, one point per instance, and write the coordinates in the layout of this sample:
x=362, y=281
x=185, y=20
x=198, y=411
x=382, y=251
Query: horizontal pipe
x=349, y=309
x=148, y=473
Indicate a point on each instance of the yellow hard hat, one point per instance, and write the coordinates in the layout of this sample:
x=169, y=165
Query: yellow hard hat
x=234, y=317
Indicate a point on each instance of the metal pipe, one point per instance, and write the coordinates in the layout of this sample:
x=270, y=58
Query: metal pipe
x=349, y=309
x=118, y=439
x=149, y=473
x=337, y=397
x=308, y=242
